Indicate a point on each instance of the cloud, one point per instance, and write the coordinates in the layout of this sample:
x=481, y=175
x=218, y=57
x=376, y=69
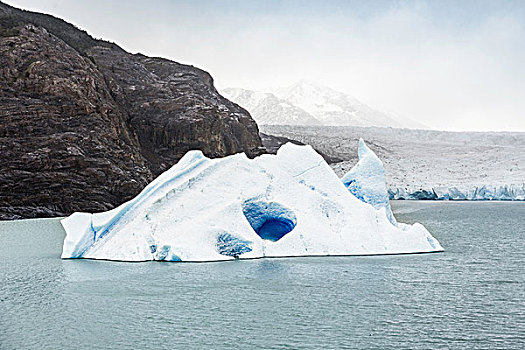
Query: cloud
x=450, y=65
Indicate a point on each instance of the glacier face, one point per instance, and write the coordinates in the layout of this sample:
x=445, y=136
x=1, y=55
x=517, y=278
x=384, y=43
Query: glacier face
x=289, y=204
x=511, y=192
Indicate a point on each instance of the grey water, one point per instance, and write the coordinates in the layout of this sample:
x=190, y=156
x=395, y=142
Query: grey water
x=472, y=296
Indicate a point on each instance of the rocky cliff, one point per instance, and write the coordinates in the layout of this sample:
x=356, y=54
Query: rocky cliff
x=85, y=125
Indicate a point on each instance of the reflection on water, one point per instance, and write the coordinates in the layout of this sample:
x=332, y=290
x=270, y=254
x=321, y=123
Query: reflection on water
x=269, y=269
x=471, y=296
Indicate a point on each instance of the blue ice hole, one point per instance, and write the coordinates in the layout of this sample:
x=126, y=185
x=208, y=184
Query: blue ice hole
x=270, y=220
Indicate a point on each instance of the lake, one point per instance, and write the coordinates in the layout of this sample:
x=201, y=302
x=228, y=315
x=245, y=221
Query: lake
x=472, y=296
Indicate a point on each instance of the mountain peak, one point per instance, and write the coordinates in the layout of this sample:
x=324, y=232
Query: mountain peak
x=307, y=102
x=306, y=86
x=267, y=109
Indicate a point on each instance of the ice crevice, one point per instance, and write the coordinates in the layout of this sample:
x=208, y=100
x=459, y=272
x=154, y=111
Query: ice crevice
x=307, y=170
x=233, y=246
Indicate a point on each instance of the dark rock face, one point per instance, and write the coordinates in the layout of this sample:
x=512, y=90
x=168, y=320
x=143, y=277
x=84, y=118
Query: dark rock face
x=84, y=125
x=174, y=108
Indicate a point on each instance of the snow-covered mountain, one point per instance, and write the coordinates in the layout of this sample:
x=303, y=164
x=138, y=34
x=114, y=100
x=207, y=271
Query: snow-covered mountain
x=332, y=107
x=307, y=103
x=268, y=109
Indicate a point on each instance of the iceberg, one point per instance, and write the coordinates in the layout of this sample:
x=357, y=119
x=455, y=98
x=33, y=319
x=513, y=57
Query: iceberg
x=283, y=205
x=366, y=180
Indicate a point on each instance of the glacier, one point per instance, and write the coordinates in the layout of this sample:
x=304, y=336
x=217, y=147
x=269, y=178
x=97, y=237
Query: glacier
x=511, y=192
x=283, y=205
x=456, y=165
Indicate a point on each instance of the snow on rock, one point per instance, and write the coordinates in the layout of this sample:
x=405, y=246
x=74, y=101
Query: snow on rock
x=289, y=204
x=366, y=180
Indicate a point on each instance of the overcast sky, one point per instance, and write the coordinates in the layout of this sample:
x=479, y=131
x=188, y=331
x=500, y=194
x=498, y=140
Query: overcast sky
x=453, y=65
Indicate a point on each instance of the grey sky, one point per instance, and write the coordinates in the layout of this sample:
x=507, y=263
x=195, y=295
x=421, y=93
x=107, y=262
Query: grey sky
x=454, y=65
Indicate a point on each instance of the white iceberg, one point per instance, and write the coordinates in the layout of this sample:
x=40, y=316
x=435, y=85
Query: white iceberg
x=366, y=180
x=289, y=204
